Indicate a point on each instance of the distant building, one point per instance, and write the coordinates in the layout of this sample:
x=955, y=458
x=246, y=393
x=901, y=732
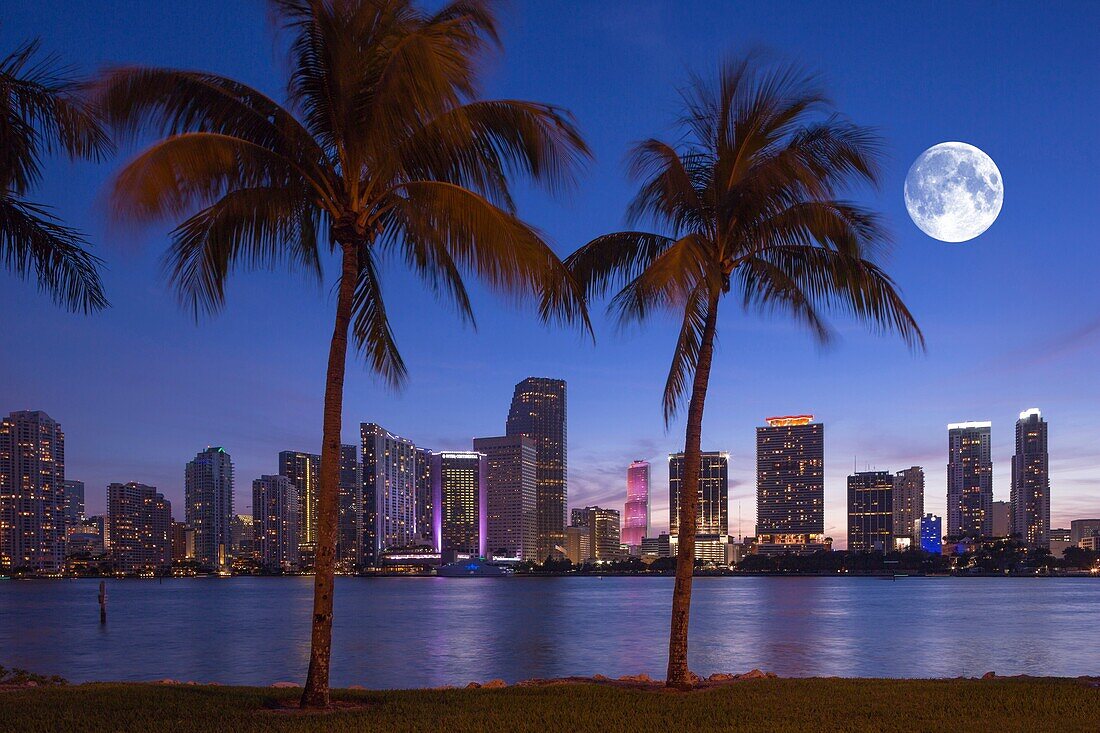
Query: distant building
x=32, y=496
x=603, y=531
x=713, y=493
x=659, y=546
x=790, y=485
x=931, y=534
x=1001, y=521
x=1060, y=540
x=578, y=544
x=304, y=471
x=74, y=503
x=389, y=491
x=139, y=521
x=208, y=491
x=86, y=539
x=243, y=537
x=425, y=512
x=636, y=509
x=1031, y=480
x=871, y=511
x=183, y=542
x=275, y=522
x=538, y=411
x=969, y=480
x=1082, y=528
x=460, y=498
x=349, y=538
x=908, y=506
x=512, y=521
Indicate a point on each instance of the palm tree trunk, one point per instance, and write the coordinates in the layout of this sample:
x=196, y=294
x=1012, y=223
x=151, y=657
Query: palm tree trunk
x=316, y=693
x=678, y=673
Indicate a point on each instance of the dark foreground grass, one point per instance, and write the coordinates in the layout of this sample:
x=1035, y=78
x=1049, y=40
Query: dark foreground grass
x=774, y=706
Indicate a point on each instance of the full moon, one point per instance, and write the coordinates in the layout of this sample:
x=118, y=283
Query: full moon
x=953, y=192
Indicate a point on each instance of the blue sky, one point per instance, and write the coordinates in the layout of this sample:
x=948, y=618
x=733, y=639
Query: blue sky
x=1011, y=318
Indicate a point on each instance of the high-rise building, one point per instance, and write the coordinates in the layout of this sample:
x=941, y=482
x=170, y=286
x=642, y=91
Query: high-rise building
x=74, y=503
x=425, y=512
x=208, y=490
x=538, y=411
x=1031, y=480
x=790, y=484
x=931, y=534
x=713, y=517
x=242, y=534
x=183, y=542
x=636, y=509
x=349, y=538
x=389, y=491
x=1000, y=519
x=1079, y=529
x=32, y=497
x=871, y=511
x=1060, y=540
x=578, y=544
x=510, y=487
x=140, y=526
x=603, y=531
x=304, y=471
x=908, y=506
x=461, y=502
x=969, y=480
x=275, y=508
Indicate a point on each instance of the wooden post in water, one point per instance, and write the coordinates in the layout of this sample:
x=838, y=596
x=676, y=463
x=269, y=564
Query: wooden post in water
x=102, y=601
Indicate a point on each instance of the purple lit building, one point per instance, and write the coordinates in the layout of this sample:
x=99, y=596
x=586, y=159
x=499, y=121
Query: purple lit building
x=460, y=500
x=636, y=511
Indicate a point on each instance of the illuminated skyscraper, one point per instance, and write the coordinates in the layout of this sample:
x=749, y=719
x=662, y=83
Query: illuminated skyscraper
x=510, y=488
x=969, y=480
x=425, y=514
x=790, y=484
x=74, y=503
x=304, y=471
x=1031, y=480
x=461, y=504
x=349, y=537
x=389, y=491
x=539, y=411
x=713, y=493
x=871, y=511
x=275, y=522
x=140, y=526
x=32, y=498
x=636, y=510
x=603, y=532
x=908, y=506
x=931, y=534
x=208, y=493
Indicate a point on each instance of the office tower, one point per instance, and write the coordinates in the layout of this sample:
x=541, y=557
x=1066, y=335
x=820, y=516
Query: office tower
x=871, y=511
x=1000, y=519
x=659, y=546
x=1059, y=541
x=32, y=509
x=538, y=411
x=349, y=538
x=512, y=519
x=908, y=507
x=931, y=534
x=389, y=491
x=636, y=509
x=183, y=542
x=790, y=485
x=1031, y=480
x=304, y=471
x=208, y=490
x=1079, y=529
x=578, y=544
x=74, y=503
x=140, y=522
x=242, y=537
x=460, y=499
x=275, y=508
x=602, y=526
x=969, y=480
x=713, y=493
x=86, y=539
x=425, y=513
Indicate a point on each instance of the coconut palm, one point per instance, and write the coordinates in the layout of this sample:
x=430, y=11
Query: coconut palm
x=745, y=203
x=383, y=153
x=41, y=113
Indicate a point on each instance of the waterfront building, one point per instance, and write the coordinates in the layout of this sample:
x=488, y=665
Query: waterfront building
x=349, y=536
x=275, y=507
x=304, y=471
x=208, y=496
x=32, y=497
x=636, y=509
x=1060, y=539
x=460, y=497
x=1001, y=519
x=1079, y=529
x=139, y=521
x=183, y=542
x=389, y=491
x=603, y=531
x=74, y=503
x=578, y=544
x=931, y=534
x=713, y=493
x=790, y=485
x=908, y=507
x=86, y=539
x=1031, y=480
x=659, y=546
x=871, y=511
x=538, y=411
x=242, y=534
x=425, y=512
x=512, y=521
x=969, y=480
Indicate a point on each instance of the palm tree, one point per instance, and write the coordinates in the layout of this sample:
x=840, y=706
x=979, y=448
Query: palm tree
x=383, y=153
x=41, y=113
x=747, y=203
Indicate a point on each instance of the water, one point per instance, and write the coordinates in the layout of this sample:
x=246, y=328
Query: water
x=412, y=632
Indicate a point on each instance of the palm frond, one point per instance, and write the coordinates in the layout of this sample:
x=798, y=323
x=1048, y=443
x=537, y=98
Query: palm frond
x=685, y=357
x=371, y=326
x=613, y=260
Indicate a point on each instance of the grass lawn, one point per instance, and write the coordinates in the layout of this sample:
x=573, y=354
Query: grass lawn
x=769, y=706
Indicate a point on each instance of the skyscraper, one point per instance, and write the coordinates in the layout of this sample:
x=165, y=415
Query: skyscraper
x=603, y=532
x=931, y=534
x=790, y=484
x=636, y=509
x=74, y=503
x=1000, y=519
x=275, y=522
x=349, y=538
x=389, y=491
x=538, y=411
x=871, y=511
x=969, y=480
x=511, y=522
x=304, y=471
x=1031, y=480
x=713, y=493
x=424, y=511
x=140, y=526
x=32, y=499
x=908, y=505
x=243, y=534
x=208, y=494
x=460, y=501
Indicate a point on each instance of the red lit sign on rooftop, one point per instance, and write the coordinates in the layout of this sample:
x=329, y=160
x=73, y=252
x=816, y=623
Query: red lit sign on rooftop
x=783, y=421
